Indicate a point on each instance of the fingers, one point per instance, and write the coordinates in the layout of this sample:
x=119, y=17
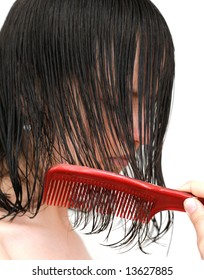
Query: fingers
x=194, y=187
x=195, y=211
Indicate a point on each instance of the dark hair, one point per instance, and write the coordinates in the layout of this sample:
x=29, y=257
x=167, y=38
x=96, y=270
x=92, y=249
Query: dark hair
x=66, y=67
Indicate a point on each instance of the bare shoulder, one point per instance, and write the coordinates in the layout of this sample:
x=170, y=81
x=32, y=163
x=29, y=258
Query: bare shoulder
x=3, y=254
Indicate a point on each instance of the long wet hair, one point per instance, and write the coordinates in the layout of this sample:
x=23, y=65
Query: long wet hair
x=66, y=84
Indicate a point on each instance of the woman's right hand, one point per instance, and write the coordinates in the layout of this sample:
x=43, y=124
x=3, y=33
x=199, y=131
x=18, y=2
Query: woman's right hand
x=195, y=210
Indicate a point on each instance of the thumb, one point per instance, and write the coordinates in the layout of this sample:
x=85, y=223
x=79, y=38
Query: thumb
x=195, y=211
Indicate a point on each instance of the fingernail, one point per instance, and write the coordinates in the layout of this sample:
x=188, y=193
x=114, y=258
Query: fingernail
x=190, y=205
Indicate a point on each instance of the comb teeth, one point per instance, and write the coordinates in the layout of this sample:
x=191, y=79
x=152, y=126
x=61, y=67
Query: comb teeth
x=90, y=195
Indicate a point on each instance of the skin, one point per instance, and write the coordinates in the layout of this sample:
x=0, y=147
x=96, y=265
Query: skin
x=48, y=236
x=195, y=211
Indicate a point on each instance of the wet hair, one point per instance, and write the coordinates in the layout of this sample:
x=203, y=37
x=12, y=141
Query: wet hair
x=66, y=84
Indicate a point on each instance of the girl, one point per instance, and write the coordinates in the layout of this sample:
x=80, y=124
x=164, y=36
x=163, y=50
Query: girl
x=85, y=82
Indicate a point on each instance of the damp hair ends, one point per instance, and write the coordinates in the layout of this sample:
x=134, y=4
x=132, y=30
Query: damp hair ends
x=66, y=96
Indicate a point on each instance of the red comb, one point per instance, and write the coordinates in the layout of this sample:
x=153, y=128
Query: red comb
x=85, y=189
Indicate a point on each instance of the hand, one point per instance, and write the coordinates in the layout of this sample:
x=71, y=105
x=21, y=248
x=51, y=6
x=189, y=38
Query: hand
x=195, y=210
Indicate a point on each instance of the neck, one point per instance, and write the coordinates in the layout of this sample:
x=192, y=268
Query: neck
x=49, y=235
x=46, y=217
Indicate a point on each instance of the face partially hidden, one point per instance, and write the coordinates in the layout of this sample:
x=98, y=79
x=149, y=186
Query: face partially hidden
x=113, y=150
x=116, y=154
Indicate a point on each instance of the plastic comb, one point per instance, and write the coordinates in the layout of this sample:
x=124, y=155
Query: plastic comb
x=88, y=189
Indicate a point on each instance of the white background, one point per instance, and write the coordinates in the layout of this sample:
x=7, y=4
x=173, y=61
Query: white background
x=184, y=151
